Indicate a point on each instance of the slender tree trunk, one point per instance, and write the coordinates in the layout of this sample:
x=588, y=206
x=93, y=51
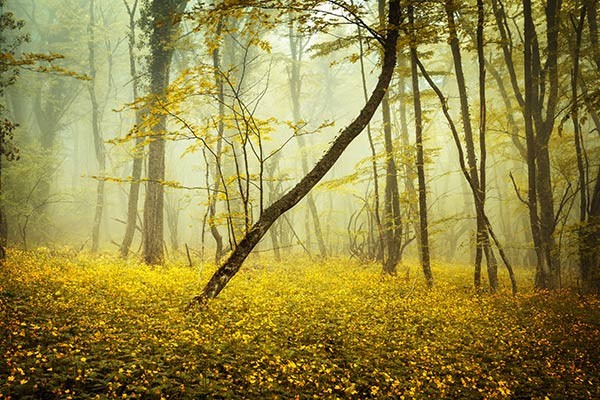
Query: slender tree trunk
x=98, y=143
x=232, y=265
x=579, y=150
x=392, y=218
x=492, y=264
x=212, y=203
x=3, y=221
x=380, y=243
x=273, y=194
x=541, y=97
x=410, y=169
x=161, y=53
x=295, y=83
x=482, y=238
x=530, y=140
x=138, y=150
x=465, y=170
x=423, y=224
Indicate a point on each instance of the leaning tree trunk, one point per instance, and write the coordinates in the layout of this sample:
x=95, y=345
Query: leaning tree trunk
x=232, y=265
x=161, y=54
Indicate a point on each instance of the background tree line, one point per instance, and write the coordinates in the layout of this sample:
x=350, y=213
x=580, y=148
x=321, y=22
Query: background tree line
x=480, y=138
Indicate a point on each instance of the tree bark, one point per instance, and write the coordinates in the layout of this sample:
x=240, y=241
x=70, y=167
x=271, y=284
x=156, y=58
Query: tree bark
x=97, y=135
x=164, y=24
x=212, y=203
x=232, y=265
x=392, y=219
x=379, y=242
x=541, y=97
x=423, y=224
x=138, y=150
x=482, y=238
x=465, y=170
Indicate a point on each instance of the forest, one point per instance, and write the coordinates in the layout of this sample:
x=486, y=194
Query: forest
x=299, y=199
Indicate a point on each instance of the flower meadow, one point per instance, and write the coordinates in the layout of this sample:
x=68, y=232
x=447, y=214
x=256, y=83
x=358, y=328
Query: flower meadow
x=84, y=326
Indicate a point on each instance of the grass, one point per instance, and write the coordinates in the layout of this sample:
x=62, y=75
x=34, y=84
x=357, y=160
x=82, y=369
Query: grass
x=99, y=327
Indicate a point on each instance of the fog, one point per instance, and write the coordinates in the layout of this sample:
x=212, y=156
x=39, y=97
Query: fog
x=270, y=139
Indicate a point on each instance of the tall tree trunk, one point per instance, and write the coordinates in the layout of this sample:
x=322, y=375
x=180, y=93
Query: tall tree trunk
x=212, y=200
x=138, y=150
x=409, y=169
x=392, y=218
x=579, y=146
x=592, y=237
x=423, y=224
x=541, y=97
x=465, y=170
x=295, y=82
x=232, y=265
x=98, y=143
x=3, y=221
x=492, y=264
x=380, y=243
x=161, y=53
x=482, y=238
x=539, y=112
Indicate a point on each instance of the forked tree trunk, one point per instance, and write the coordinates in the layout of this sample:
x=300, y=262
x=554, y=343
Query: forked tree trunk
x=465, y=170
x=478, y=188
x=232, y=265
x=541, y=99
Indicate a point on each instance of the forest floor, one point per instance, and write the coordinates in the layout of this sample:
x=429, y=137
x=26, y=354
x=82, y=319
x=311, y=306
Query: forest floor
x=81, y=326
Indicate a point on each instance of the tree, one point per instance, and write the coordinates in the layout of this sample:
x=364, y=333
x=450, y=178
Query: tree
x=162, y=19
x=392, y=217
x=97, y=135
x=8, y=75
x=138, y=150
x=416, y=92
x=295, y=82
x=270, y=214
x=477, y=176
x=540, y=105
x=538, y=102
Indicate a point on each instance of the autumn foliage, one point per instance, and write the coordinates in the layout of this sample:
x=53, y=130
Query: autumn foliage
x=76, y=326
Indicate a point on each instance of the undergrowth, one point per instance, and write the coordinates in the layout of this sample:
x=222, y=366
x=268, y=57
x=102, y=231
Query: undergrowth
x=99, y=327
